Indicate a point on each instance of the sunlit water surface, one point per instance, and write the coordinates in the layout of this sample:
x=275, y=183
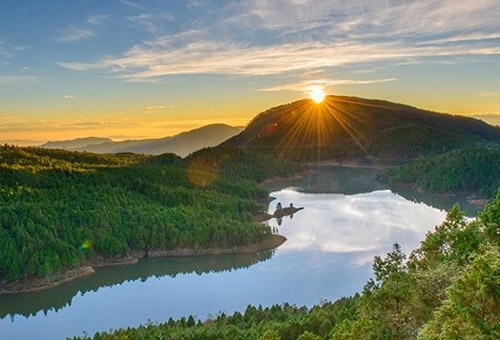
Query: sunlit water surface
x=328, y=254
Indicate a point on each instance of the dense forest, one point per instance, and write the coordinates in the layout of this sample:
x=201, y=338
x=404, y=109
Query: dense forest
x=343, y=128
x=60, y=209
x=468, y=171
x=448, y=288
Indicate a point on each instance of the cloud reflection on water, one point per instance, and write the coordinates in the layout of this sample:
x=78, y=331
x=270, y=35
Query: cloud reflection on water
x=364, y=223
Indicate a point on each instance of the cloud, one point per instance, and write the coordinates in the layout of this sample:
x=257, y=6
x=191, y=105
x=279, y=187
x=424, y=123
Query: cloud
x=484, y=94
x=74, y=33
x=155, y=108
x=7, y=51
x=491, y=118
x=153, y=23
x=157, y=58
x=15, y=79
x=131, y=4
x=69, y=97
x=324, y=83
x=259, y=38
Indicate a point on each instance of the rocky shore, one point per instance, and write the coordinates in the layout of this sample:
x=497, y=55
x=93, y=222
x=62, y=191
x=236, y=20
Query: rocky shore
x=39, y=284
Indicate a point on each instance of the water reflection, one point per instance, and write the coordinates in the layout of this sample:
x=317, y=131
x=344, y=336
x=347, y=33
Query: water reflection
x=362, y=223
x=29, y=304
x=328, y=254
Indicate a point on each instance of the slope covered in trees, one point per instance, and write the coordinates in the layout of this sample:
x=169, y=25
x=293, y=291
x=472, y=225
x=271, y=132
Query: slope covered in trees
x=348, y=127
x=60, y=209
x=448, y=288
x=468, y=171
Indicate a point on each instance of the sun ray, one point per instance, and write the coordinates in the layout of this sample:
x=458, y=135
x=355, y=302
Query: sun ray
x=308, y=131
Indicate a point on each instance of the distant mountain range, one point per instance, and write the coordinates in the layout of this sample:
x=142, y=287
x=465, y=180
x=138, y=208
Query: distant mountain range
x=348, y=127
x=339, y=128
x=182, y=144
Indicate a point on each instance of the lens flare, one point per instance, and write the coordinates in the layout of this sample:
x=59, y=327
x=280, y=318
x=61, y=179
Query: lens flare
x=202, y=171
x=85, y=245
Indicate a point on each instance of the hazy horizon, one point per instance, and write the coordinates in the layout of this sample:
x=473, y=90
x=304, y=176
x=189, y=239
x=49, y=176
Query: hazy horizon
x=126, y=69
x=116, y=139
x=492, y=119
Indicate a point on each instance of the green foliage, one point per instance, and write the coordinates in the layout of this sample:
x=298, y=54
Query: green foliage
x=60, y=209
x=471, y=171
x=278, y=322
x=472, y=306
x=490, y=219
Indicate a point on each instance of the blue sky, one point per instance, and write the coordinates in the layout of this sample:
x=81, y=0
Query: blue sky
x=138, y=69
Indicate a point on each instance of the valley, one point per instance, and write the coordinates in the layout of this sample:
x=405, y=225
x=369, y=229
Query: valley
x=357, y=191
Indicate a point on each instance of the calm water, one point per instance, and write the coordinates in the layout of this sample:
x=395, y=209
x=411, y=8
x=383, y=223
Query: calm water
x=328, y=254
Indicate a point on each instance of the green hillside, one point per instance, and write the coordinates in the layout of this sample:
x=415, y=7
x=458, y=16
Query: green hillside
x=348, y=127
x=61, y=209
x=469, y=171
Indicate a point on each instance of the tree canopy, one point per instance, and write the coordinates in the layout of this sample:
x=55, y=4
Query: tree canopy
x=60, y=209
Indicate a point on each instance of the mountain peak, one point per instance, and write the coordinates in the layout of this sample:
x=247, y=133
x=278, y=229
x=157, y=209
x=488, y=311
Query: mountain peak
x=349, y=127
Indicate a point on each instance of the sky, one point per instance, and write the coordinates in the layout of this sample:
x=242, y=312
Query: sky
x=133, y=69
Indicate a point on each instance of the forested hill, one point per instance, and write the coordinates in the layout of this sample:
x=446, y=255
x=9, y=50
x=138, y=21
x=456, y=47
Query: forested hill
x=473, y=171
x=61, y=209
x=349, y=127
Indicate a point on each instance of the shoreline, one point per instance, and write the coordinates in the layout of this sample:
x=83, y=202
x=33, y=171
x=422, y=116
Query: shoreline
x=30, y=285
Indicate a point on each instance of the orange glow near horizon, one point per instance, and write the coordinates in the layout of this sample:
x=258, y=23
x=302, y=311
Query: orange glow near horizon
x=41, y=131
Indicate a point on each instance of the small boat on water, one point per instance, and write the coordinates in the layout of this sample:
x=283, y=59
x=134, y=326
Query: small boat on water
x=286, y=211
x=278, y=213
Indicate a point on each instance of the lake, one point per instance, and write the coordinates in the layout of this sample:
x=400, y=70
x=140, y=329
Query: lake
x=328, y=254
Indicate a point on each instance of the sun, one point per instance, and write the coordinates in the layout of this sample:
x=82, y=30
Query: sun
x=317, y=95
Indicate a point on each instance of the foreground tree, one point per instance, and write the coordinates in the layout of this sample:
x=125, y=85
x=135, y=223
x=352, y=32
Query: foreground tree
x=384, y=312
x=472, y=307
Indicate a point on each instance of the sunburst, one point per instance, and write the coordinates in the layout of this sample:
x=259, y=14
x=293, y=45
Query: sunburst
x=317, y=95
x=314, y=126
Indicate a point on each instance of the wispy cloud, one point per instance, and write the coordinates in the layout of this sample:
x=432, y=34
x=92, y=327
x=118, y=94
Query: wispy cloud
x=78, y=32
x=491, y=118
x=259, y=38
x=131, y=4
x=156, y=58
x=324, y=83
x=74, y=33
x=487, y=94
x=153, y=23
x=8, y=51
x=156, y=108
x=16, y=79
